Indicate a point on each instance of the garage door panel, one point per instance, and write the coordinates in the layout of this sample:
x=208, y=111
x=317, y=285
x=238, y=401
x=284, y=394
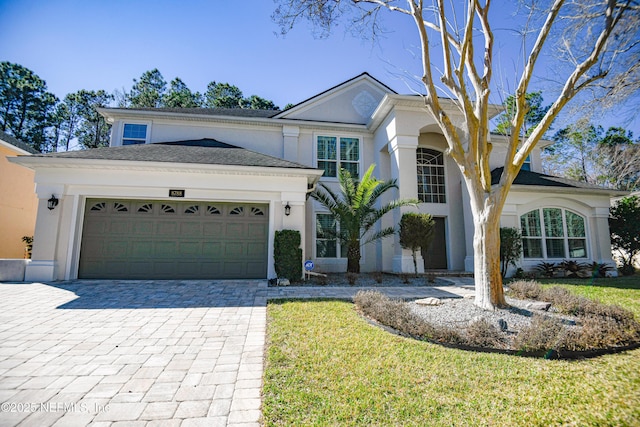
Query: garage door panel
x=190, y=248
x=254, y=268
x=141, y=249
x=147, y=239
x=120, y=227
x=166, y=249
x=190, y=229
x=235, y=249
x=141, y=269
x=212, y=249
x=116, y=248
x=143, y=227
x=213, y=229
x=255, y=249
x=237, y=230
x=167, y=228
x=257, y=231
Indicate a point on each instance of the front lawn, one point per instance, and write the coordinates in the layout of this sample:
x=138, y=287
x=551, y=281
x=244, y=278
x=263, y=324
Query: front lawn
x=327, y=366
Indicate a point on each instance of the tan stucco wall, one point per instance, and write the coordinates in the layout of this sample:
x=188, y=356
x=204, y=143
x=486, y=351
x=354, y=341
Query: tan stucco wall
x=18, y=205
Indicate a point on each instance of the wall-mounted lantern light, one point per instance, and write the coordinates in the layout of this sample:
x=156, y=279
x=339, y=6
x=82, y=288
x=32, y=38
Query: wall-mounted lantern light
x=52, y=202
x=287, y=209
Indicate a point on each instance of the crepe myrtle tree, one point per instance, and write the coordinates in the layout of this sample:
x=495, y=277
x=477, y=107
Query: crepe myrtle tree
x=357, y=209
x=595, y=46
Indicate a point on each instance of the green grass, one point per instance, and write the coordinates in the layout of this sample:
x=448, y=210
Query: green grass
x=327, y=366
x=623, y=291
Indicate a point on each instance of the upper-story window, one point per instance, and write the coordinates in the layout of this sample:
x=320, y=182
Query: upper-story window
x=526, y=166
x=553, y=233
x=431, y=183
x=336, y=153
x=134, y=134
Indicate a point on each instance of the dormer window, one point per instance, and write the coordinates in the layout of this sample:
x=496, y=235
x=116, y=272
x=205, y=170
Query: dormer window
x=134, y=134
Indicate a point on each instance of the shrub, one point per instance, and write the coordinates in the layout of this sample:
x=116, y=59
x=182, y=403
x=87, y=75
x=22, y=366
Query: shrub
x=544, y=333
x=546, y=269
x=525, y=289
x=405, y=278
x=287, y=255
x=574, y=268
x=416, y=232
x=482, y=333
x=601, y=269
x=398, y=315
x=510, y=248
x=564, y=301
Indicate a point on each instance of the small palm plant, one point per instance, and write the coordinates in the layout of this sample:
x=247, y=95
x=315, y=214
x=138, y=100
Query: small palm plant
x=355, y=210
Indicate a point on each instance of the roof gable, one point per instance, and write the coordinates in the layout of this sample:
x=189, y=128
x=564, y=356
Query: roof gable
x=352, y=101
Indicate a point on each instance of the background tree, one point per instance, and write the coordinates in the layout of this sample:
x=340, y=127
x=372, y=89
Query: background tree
x=180, y=96
x=148, y=91
x=576, y=148
x=93, y=130
x=593, y=36
x=416, y=232
x=584, y=152
x=255, y=102
x=624, y=224
x=533, y=116
x=69, y=111
x=26, y=107
x=510, y=248
x=354, y=208
x=222, y=95
x=619, y=160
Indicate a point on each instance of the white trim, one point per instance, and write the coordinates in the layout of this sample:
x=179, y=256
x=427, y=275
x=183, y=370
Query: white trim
x=10, y=146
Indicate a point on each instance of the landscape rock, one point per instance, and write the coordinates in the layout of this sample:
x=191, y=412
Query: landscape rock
x=538, y=305
x=283, y=282
x=428, y=301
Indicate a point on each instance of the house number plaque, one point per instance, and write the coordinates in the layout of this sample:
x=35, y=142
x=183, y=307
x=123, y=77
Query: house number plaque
x=176, y=193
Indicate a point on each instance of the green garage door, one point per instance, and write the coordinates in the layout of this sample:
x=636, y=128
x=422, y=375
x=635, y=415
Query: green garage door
x=151, y=239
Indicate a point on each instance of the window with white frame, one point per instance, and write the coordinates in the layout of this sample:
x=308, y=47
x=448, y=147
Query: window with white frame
x=134, y=133
x=335, y=153
x=327, y=244
x=431, y=183
x=553, y=233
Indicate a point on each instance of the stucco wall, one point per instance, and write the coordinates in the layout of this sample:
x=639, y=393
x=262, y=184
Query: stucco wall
x=18, y=205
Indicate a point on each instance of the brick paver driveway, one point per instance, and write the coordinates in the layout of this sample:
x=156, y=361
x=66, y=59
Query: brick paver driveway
x=131, y=353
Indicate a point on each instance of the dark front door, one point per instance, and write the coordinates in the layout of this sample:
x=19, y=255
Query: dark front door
x=435, y=257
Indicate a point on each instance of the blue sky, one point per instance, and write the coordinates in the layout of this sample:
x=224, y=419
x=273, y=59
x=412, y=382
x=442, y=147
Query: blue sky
x=92, y=44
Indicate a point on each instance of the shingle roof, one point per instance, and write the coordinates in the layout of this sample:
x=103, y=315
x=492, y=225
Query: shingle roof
x=231, y=112
x=203, y=151
x=538, y=179
x=16, y=142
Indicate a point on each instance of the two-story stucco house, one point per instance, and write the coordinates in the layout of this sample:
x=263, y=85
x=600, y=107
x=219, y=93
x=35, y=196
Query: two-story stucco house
x=199, y=193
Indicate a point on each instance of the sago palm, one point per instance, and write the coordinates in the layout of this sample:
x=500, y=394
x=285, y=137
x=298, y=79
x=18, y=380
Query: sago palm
x=354, y=208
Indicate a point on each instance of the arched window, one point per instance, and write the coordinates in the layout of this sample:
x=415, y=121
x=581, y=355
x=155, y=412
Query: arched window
x=553, y=233
x=431, y=185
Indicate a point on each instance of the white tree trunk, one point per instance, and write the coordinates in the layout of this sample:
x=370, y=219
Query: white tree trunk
x=486, y=259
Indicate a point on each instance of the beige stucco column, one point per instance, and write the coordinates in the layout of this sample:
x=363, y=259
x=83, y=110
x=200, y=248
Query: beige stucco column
x=402, y=150
x=290, y=136
x=43, y=266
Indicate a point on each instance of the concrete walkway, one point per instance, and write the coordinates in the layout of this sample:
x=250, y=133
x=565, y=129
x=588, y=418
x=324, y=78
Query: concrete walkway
x=143, y=353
